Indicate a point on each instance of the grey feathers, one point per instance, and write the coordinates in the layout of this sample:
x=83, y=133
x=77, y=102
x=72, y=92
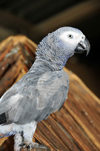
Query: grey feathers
x=44, y=88
x=36, y=100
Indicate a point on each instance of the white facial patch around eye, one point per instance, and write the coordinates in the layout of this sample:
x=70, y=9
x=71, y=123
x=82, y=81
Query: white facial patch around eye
x=64, y=36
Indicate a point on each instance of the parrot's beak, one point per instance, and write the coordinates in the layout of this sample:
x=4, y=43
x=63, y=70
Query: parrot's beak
x=83, y=46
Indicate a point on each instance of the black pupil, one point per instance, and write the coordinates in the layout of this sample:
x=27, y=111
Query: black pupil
x=70, y=36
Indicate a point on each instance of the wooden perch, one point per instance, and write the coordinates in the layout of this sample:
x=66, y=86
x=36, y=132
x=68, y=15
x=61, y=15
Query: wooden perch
x=77, y=126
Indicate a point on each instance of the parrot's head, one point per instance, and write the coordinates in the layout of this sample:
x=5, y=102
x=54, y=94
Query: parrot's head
x=71, y=39
x=61, y=44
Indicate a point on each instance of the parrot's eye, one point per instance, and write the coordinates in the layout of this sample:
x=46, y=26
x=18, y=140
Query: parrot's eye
x=83, y=37
x=70, y=36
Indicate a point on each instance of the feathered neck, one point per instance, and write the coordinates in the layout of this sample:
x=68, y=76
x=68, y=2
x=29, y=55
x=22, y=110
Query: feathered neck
x=51, y=53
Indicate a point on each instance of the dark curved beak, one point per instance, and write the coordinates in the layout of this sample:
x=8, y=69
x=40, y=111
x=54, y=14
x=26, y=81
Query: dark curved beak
x=83, y=46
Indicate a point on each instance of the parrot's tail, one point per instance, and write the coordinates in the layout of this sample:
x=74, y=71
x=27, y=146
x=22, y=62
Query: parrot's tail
x=3, y=118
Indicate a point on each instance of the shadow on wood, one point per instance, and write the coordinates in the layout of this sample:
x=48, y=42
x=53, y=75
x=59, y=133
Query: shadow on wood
x=77, y=126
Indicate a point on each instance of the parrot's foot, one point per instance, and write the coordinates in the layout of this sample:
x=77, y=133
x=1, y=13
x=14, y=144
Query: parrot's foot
x=17, y=141
x=36, y=145
x=33, y=145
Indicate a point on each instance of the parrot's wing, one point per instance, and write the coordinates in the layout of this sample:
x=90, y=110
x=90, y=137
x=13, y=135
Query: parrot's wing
x=49, y=85
x=36, y=102
x=11, y=97
x=52, y=88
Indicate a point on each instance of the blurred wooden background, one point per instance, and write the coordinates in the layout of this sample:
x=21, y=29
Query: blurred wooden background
x=76, y=127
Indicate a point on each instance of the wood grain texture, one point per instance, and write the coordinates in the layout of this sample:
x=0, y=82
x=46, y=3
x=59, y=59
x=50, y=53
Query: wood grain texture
x=77, y=126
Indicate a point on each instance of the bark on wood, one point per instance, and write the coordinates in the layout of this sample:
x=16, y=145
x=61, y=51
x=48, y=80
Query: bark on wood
x=77, y=126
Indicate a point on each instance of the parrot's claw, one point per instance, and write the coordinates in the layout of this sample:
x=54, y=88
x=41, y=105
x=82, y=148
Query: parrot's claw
x=36, y=145
x=32, y=145
x=23, y=145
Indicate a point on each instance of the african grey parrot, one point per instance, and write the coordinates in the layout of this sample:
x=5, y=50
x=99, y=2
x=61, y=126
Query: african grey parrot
x=45, y=86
